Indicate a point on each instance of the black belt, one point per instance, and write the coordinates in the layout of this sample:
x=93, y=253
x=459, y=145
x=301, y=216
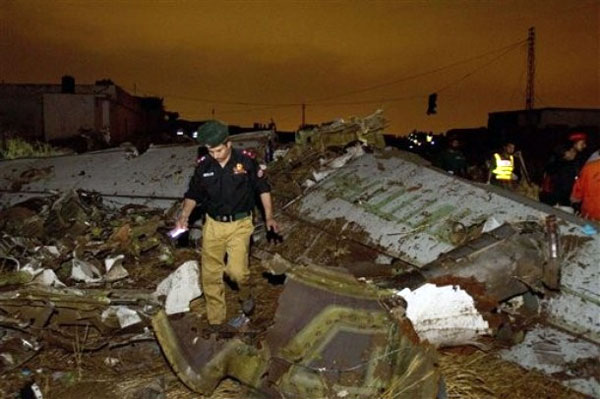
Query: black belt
x=230, y=218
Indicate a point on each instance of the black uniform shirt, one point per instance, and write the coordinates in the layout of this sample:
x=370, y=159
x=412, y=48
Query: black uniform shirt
x=230, y=189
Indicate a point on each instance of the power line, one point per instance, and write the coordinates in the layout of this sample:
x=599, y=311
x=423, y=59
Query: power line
x=418, y=75
x=475, y=70
x=235, y=111
x=381, y=100
x=395, y=99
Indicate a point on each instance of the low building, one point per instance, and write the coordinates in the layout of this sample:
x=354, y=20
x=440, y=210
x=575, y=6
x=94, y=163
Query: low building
x=50, y=112
x=545, y=118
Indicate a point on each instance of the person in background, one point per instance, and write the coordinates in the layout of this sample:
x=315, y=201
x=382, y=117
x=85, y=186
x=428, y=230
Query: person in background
x=502, y=167
x=559, y=176
x=579, y=144
x=586, y=191
x=452, y=159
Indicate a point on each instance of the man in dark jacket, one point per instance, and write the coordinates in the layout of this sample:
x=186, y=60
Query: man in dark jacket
x=559, y=176
x=452, y=159
x=226, y=181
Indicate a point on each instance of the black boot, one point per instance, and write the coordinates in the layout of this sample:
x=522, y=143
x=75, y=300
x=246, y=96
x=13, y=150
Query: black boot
x=248, y=306
x=246, y=300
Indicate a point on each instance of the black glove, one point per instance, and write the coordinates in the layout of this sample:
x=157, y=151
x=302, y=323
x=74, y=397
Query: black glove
x=274, y=237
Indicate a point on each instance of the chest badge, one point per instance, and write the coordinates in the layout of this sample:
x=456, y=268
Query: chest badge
x=239, y=169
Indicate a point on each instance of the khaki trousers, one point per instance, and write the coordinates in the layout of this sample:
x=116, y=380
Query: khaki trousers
x=219, y=238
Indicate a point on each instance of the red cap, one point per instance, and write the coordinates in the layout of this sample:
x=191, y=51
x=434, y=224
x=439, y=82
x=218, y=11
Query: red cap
x=576, y=136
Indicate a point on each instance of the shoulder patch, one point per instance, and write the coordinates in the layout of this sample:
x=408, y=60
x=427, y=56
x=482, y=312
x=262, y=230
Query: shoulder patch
x=249, y=153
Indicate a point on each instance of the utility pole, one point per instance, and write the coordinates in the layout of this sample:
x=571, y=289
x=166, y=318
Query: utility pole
x=530, y=94
x=303, y=115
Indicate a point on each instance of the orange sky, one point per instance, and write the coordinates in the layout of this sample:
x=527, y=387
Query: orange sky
x=289, y=52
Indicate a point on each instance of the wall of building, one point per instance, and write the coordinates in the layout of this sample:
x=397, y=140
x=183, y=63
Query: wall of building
x=43, y=112
x=129, y=118
x=68, y=115
x=571, y=118
x=544, y=118
x=21, y=109
x=125, y=118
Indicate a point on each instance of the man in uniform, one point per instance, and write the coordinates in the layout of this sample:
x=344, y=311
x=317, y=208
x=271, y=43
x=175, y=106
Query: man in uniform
x=227, y=182
x=502, y=167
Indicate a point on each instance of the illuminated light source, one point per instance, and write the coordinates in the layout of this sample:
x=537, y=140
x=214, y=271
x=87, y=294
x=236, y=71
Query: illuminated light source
x=195, y=134
x=180, y=132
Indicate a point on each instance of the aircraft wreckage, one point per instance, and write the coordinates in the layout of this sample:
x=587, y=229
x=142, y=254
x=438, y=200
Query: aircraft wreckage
x=384, y=258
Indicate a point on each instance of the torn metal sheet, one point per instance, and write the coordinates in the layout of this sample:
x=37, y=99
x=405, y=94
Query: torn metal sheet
x=157, y=177
x=415, y=213
x=508, y=261
x=331, y=336
x=339, y=133
x=327, y=167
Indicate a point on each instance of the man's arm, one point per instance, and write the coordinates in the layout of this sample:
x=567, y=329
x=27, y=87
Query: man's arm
x=186, y=210
x=267, y=203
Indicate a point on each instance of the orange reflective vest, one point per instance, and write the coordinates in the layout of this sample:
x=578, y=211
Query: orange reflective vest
x=504, y=167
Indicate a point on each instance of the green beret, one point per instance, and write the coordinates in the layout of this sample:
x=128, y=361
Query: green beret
x=213, y=133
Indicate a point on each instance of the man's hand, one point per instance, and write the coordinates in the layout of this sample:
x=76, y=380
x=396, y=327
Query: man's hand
x=186, y=209
x=272, y=229
x=182, y=222
x=271, y=224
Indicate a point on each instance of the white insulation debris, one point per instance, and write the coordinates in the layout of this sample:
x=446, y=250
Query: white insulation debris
x=127, y=317
x=180, y=288
x=444, y=316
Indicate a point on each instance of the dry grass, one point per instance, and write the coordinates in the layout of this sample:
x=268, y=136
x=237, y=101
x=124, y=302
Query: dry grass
x=16, y=147
x=485, y=376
